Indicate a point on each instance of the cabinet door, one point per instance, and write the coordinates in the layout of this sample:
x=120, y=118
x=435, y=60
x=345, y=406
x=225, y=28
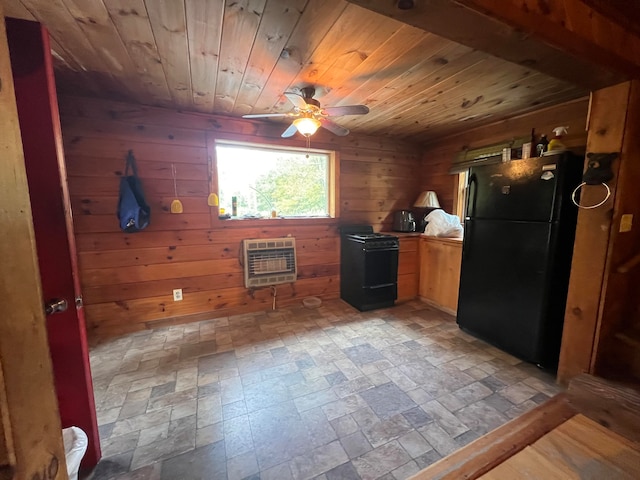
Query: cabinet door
x=408, y=267
x=440, y=272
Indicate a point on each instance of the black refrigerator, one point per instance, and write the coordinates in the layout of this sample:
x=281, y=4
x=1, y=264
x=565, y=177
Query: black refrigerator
x=516, y=254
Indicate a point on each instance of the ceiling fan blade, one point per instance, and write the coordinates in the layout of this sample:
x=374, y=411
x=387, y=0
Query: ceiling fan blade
x=289, y=132
x=265, y=115
x=334, y=127
x=296, y=99
x=346, y=110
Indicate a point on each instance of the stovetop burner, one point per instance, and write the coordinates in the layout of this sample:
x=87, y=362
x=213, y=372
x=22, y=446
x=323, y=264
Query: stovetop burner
x=365, y=234
x=371, y=236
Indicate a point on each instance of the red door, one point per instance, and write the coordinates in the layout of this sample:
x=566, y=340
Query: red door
x=46, y=175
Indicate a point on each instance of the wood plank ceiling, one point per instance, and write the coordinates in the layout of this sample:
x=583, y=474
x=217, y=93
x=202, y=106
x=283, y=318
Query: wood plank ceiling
x=238, y=57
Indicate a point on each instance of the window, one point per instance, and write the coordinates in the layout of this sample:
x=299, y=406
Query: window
x=461, y=195
x=263, y=179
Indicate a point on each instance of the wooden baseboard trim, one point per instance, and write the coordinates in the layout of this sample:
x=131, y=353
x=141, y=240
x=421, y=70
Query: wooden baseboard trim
x=488, y=451
x=439, y=307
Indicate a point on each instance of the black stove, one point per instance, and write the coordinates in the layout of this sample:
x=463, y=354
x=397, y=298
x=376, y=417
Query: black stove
x=368, y=267
x=374, y=240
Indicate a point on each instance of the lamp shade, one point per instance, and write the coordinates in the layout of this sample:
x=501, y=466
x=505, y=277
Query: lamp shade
x=427, y=199
x=307, y=126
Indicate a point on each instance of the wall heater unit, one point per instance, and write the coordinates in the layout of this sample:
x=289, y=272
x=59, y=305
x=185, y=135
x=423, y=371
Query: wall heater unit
x=269, y=261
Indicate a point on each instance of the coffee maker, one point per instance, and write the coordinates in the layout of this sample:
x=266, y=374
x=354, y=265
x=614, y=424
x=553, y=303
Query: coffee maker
x=404, y=221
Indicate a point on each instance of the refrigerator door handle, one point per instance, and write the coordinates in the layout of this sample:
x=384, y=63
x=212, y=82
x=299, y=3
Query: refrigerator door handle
x=467, y=240
x=473, y=195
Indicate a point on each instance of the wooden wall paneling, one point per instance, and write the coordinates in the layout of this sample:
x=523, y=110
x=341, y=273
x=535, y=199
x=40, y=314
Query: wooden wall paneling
x=128, y=278
x=204, y=33
x=607, y=119
x=223, y=248
x=154, y=288
x=223, y=234
x=439, y=155
x=572, y=113
x=619, y=315
x=227, y=128
x=132, y=23
x=91, y=166
x=241, y=22
x=276, y=25
x=114, y=315
x=109, y=186
x=316, y=20
x=136, y=132
x=169, y=27
x=115, y=150
x=29, y=410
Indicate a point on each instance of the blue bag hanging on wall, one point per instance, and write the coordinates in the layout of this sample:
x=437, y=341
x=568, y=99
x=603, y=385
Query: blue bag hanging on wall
x=133, y=212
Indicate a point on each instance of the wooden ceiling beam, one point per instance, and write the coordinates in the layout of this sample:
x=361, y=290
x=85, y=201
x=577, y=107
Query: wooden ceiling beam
x=567, y=39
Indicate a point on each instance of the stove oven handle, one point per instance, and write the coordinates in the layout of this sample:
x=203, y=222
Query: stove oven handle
x=384, y=285
x=385, y=249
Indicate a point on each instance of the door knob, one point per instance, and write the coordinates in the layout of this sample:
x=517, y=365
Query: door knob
x=55, y=306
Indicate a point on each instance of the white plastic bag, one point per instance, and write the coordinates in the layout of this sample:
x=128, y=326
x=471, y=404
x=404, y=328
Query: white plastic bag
x=442, y=224
x=75, y=446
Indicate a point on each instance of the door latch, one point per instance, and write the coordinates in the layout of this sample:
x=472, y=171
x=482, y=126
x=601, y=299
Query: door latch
x=56, y=305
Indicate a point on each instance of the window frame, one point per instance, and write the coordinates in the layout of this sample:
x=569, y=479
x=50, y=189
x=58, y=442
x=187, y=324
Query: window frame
x=460, y=194
x=333, y=184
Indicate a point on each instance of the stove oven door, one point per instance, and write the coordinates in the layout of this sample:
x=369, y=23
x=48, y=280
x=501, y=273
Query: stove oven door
x=380, y=267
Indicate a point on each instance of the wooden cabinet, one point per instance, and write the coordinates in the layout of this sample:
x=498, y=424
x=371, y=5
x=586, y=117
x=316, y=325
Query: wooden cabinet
x=408, y=268
x=440, y=260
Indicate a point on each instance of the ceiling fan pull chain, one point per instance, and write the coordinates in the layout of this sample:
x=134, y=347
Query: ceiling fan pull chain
x=308, y=145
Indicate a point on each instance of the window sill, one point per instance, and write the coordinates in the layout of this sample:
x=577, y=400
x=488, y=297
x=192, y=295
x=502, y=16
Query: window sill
x=240, y=222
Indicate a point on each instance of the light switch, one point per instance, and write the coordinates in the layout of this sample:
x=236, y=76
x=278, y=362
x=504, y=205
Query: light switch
x=626, y=222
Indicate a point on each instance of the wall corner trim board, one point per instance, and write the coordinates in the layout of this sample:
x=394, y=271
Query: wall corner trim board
x=128, y=279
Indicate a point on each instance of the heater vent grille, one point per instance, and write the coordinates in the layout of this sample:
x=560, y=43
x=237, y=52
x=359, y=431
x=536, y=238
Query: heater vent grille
x=269, y=261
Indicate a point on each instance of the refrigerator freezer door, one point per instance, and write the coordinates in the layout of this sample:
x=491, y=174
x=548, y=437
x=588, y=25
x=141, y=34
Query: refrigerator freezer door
x=517, y=190
x=503, y=293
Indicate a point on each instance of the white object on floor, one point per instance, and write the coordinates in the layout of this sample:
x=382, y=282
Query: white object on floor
x=75, y=446
x=312, y=302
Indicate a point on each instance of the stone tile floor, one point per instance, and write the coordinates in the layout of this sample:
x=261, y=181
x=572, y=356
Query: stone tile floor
x=329, y=393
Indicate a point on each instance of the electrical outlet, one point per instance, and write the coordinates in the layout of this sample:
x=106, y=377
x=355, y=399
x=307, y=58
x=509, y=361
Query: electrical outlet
x=177, y=294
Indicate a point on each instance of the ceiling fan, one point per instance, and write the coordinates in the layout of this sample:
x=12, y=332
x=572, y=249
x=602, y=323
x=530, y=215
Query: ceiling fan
x=309, y=115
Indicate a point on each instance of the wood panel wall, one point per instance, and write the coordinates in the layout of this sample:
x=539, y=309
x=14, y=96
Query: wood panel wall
x=438, y=155
x=127, y=279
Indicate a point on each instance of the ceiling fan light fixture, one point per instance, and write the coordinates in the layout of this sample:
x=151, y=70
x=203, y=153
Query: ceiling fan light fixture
x=307, y=126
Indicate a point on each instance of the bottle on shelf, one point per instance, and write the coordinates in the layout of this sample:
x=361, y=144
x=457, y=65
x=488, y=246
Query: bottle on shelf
x=556, y=142
x=542, y=145
x=234, y=206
